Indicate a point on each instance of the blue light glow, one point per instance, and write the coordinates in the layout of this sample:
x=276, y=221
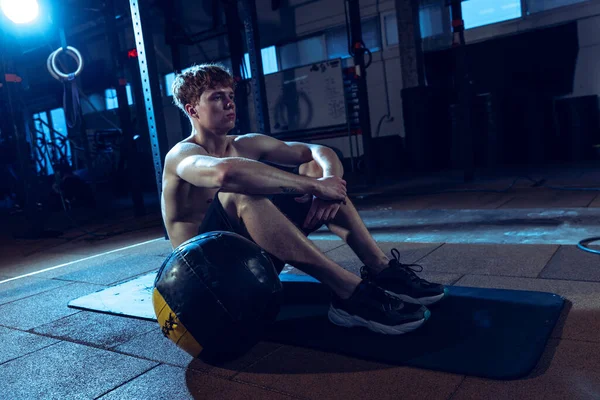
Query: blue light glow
x=20, y=11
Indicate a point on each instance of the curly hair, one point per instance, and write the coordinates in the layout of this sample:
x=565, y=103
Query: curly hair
x=189, y=85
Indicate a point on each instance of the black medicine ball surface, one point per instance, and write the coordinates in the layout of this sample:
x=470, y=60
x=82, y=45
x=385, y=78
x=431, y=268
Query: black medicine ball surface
x=223, y=288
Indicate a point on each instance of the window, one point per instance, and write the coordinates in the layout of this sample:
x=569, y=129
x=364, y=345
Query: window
x=302, y=52
x=484, y=12
x=269, y=59
x=111, y=97
x=390, y=24
x=59, y=124
x=534, y=6
x=337, y=39
x=42, y=137
x=169, y=79
x=370, y=32
x=51, y=144
x=431, y=21
x=337, y=43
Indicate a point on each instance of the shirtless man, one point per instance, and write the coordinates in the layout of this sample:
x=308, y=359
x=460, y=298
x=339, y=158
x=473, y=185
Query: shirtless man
x=215, y=181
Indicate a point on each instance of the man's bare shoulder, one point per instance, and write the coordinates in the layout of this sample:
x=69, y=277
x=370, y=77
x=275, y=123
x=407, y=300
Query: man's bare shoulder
x=248, y=137
x=250, y=141
x=182, y=150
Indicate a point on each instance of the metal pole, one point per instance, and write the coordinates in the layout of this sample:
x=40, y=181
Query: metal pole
x=256, y=65
x=150, y=85
x=359, y=50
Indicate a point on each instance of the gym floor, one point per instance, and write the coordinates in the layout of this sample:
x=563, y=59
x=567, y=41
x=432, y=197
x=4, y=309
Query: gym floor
x=523, y=238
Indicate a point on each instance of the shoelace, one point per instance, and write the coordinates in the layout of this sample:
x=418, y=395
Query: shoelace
x=408, y=268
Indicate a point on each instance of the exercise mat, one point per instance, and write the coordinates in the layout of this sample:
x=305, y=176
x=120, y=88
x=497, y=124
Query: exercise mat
x=490, y=333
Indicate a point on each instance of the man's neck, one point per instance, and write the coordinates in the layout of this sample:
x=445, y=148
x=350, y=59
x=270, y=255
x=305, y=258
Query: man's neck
x=214, y=143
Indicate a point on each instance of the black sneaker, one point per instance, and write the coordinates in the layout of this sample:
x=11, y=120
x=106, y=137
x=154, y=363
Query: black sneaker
x=401, y=280
x=377, y=310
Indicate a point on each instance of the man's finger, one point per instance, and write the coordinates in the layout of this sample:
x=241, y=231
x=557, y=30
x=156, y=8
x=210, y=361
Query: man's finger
x=303, y=199
x=310, y=215
x=317, y=218
x=327, y=215
x=334, y=212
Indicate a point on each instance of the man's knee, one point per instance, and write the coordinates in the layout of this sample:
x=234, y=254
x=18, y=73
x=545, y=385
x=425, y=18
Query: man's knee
x=311, y=169
x=235, y=203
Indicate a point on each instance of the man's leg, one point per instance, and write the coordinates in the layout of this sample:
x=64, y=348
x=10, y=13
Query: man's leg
x=349, y=226
x=274, y=232
x=358, y=302
x=400, y=278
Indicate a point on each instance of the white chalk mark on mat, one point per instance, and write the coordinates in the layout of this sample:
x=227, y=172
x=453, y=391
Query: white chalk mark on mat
x=82, y=259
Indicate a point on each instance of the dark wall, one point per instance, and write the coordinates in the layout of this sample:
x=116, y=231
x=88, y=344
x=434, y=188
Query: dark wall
x=516, y=117
x=542, y=60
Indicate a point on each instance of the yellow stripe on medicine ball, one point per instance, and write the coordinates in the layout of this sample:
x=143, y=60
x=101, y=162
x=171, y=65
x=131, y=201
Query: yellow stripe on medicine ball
x=173, y=328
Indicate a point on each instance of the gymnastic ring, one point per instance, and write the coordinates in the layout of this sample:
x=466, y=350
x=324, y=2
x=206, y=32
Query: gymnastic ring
x=49, y=63
x=76, y=55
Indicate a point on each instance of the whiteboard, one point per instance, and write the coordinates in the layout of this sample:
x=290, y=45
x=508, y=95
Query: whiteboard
x=308, y=97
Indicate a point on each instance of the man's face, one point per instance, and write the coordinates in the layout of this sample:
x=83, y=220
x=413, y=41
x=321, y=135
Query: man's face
x=216, y=109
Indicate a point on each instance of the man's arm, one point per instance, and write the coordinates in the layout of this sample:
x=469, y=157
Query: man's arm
x=242, y=175
x=296, y=153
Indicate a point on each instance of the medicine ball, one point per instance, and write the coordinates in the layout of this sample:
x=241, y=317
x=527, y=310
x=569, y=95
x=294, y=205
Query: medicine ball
x=215, y=294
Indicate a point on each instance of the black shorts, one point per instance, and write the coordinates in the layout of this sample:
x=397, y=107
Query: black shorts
x=217, y=219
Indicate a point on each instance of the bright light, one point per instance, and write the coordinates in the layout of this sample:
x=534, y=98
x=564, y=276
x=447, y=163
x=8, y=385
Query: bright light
x=20, y=11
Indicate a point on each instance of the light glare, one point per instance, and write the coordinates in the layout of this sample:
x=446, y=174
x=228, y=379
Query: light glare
x=20, y=11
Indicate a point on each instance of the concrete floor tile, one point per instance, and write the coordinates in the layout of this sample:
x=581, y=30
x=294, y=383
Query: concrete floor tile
x=154, y=346
x=157, y=246
x=596, y=202
x=45, y=307
x=17, y=343
x=114, y=266
x=115, y=270
x=572, y=263
x=96, y=328
x=580, y=318
x=85, y=246
x=68, y=371
x=550, y=199
x=25, y=287
x=187, y=384
x=466, y=200
x=25, y=265
x=490, y=259
x=565, y=371
x=409, y=253
x=318, y=375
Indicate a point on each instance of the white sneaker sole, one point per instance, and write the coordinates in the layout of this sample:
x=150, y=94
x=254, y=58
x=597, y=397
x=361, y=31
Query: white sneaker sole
x=342, y=318
x=426, y=301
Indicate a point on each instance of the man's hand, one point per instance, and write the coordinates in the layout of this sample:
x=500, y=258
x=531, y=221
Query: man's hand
x=330, y=188
x=321, y=211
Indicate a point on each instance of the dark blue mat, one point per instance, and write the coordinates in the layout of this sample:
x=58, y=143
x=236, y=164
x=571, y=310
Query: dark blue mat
x=491, y=333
